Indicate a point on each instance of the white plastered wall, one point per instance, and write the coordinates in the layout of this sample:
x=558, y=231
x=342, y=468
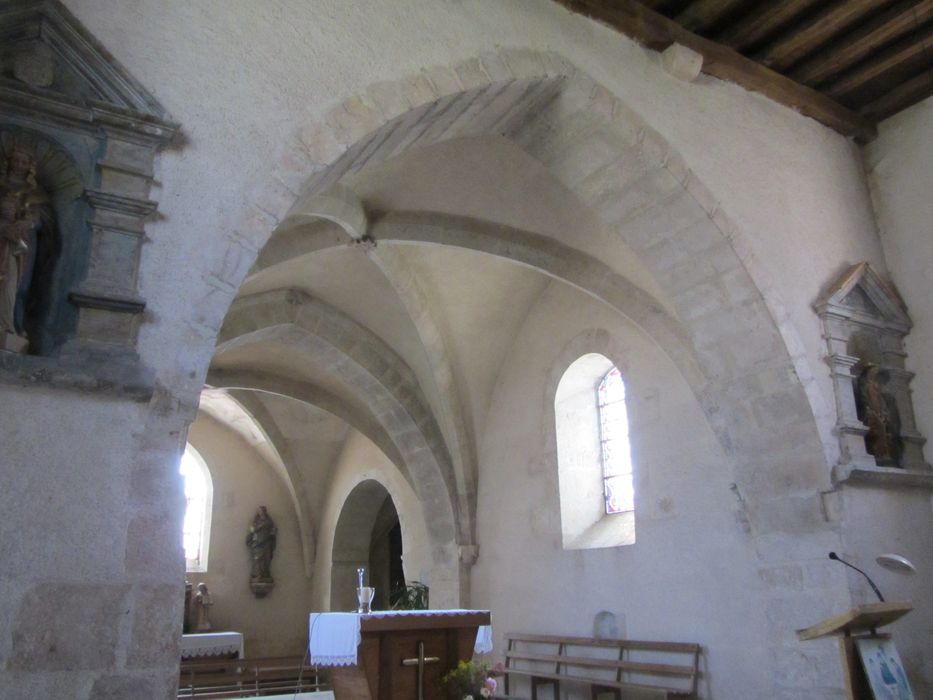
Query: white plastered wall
x=688, y=520
x=243, y=481
x=900, y=165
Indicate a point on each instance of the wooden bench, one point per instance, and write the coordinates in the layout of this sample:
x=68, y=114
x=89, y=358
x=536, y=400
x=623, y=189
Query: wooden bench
x=239, y=678
x=607, y=666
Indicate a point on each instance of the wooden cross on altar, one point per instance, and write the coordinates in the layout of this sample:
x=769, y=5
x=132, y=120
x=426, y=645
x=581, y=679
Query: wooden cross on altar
x=420, y=661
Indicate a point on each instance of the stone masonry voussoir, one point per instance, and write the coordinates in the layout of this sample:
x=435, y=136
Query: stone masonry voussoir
x=496, y=67
x=471, y=74
x=320, y=143
x=444, y=80
x=525, y=63
x=390, y=102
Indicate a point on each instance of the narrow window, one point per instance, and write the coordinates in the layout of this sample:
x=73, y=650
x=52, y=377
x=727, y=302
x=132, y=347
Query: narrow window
x=618, y=490
x=198, y=500
x=594, y=461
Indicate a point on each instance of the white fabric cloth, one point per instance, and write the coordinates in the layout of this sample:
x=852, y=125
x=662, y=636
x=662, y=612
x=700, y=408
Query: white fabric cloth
x=426, y=613
x=333, y=638
x=483, y=643
x=211, y=644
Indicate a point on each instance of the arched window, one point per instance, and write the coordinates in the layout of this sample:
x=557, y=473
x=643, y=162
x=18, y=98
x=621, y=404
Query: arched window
x=199, y=493
x=618, y=489
x=594, y=463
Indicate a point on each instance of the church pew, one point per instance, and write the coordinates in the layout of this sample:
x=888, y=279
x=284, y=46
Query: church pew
x=216, y=679
x=607, y=666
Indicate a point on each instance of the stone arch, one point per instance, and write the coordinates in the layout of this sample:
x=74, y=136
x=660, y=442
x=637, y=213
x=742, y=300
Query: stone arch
x=268, y=383
x=752, y=376
x=581, y=131
x=352, y=539
x=377, y=376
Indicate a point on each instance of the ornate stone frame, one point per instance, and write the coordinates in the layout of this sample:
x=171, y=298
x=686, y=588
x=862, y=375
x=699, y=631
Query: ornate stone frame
x=864, y=319
x=97, y=114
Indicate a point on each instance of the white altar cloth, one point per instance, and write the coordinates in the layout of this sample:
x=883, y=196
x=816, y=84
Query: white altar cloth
x=333, y=638
x=211, y=644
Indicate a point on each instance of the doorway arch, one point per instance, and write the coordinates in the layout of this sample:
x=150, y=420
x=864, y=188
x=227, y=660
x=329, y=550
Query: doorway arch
x=368, y=535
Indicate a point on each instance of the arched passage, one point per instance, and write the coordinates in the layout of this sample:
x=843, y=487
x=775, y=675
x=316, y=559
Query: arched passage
x=368, y=535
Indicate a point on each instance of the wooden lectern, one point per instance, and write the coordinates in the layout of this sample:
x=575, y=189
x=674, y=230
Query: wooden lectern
x=859, y=622
x=404, y=657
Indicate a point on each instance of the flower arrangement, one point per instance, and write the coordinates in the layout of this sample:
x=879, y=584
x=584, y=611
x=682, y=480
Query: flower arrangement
x=470, y=681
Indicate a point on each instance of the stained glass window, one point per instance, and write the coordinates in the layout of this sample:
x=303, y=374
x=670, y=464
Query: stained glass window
x=196, y=528
x=618, y=488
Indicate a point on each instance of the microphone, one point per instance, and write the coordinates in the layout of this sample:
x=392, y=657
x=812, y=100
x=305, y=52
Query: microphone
x=835, y=557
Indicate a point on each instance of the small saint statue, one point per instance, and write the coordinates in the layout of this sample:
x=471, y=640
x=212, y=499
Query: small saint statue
x=27, y=237
x=261, y=542
x=202, y=608
x=877, y=409
x=15, y=229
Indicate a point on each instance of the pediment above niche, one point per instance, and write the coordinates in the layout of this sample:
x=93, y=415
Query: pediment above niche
x=863, y=296
x=50, y=63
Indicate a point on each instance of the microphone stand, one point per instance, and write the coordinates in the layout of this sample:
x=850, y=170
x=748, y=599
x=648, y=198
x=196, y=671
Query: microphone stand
x=835, y=557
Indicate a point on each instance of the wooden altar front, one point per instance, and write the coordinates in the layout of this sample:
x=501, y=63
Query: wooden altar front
x=404, y=656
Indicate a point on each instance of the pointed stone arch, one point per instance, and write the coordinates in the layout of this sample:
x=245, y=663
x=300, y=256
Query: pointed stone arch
x=369, y=368
x=592, y=142
x=743, y=357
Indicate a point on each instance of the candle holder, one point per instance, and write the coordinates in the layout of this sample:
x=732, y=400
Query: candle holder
x=364, y=595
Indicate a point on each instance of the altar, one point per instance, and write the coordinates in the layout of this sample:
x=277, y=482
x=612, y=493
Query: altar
x=396, y=655
x=223, y=644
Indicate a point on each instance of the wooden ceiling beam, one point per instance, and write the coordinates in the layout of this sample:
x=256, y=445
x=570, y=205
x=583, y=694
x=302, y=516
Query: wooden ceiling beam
x=701, y=14
x=800, y=40
x=890, y=58
x=658, y=32
x=903, y=17
x=914, y=90
x=764, y=21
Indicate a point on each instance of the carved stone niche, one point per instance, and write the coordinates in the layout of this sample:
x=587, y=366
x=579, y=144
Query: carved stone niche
x=864, y=324
x=91, y=134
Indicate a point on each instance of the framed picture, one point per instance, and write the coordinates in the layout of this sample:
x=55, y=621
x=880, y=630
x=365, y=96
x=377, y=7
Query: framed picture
x=883, y=668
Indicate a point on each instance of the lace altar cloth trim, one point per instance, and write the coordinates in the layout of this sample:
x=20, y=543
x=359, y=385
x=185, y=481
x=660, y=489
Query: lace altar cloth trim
x=213, y=651
x=211, y=644
x=425, y=613
x=333, y=638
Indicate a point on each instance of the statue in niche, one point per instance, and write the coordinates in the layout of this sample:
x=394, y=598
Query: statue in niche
x=877, y=409
x=261, y=542
x=28, y=238
x=202, y=607
x=15, y=231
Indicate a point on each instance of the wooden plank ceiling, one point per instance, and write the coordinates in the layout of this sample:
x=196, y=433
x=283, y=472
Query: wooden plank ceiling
x=846, y=63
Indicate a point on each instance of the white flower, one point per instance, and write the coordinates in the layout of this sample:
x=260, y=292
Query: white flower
x=485, y=692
